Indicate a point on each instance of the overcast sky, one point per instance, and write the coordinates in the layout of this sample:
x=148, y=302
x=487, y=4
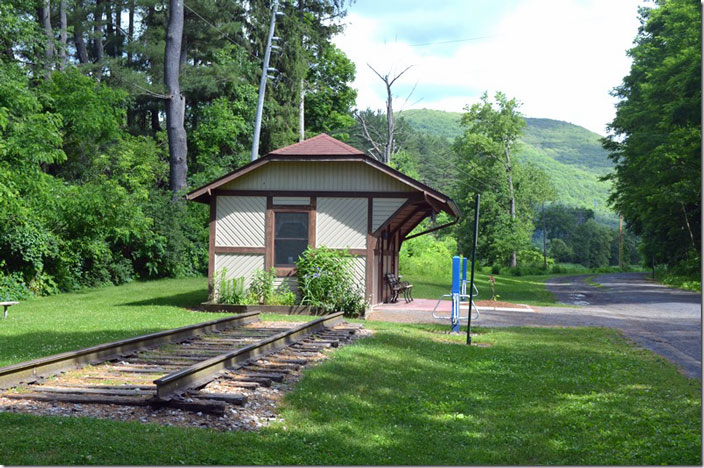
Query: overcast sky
x=560, y=58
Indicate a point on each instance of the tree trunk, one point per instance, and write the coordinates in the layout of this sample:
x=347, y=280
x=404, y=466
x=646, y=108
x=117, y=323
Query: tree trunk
x=511, y=194
x=81, y=49
x=98, y=31
x=130, y=118
x=156, y=125
x=49, y=32
x=389, y=147
x=77, y=18
x=63, y=35
x=389, y=124
x=130, y=31
x=118, y=30
x=176, y=103
x=109, y=29
x=689, y=229
x=183, y=55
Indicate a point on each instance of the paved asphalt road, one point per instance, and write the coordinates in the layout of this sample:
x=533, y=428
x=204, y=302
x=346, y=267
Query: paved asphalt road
x=665, y=320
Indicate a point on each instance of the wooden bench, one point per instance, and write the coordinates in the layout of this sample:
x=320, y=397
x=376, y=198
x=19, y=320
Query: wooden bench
x=6, y=305
x=398, y=286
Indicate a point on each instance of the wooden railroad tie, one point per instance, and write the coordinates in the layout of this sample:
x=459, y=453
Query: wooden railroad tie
x=167, y=358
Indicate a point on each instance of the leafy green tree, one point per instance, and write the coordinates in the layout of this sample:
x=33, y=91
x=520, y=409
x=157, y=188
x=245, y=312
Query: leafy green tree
x=592, y=244
x=655, y=137
x=84, y=193
x=406, y=163
x=511, y=190
x=560, y=251
x=329, y=97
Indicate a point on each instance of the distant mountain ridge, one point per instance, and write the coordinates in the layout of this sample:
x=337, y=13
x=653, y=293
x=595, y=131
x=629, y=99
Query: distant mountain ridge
x=571, y=155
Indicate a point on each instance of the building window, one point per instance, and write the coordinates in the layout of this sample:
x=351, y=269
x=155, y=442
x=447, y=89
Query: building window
x=290, y=237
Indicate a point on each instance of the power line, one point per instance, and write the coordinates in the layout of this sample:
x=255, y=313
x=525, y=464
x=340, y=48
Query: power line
x=225, y=35
x=468, y=39
x=211, y=25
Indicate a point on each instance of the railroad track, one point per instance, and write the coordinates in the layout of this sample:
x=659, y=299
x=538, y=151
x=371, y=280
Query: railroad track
x=172, y=368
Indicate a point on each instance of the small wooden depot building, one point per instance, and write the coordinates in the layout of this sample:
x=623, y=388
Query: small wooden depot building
x=318, y=192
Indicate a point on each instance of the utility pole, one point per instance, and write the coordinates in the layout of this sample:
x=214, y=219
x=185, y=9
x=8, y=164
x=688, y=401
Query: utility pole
x=302, y=112
x=474, y=258
x=262, y=81
x=620, y=240
x=545, y=243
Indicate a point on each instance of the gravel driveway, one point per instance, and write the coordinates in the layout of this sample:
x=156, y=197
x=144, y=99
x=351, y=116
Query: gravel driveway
x=665, y=320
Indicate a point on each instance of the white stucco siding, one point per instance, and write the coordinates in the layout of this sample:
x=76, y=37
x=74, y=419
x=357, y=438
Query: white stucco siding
x=240, y=221
x=342, y=222
x=383, y=208
x=237, y=265
x=323, y=176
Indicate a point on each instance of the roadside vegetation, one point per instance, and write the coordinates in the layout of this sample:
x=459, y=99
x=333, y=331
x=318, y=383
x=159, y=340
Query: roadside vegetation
x=679, y=277
x=410, y=394
x=426, y=263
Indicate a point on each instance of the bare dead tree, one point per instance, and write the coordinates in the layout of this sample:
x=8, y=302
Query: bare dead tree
x=371, y=135
x=175, y=102
x=383, y=146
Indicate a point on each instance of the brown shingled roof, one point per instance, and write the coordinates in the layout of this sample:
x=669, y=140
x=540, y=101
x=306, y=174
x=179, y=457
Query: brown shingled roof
x=320, y=145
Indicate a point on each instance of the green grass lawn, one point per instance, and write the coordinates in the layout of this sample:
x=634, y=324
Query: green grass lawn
x=516, y=289
x=49, y=325
x=410, y=394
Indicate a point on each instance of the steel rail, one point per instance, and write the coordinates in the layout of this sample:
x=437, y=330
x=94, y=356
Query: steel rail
x=28, y=371
x=203, y=372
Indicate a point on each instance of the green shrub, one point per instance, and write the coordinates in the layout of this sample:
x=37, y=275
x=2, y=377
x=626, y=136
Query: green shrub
x=685, y=275
x=284, y=296
x=43, y=285
x=428, y=255
x=12, y=287
x=230, y=291
x=523, y=270
x=326, y=281
x=261, y=289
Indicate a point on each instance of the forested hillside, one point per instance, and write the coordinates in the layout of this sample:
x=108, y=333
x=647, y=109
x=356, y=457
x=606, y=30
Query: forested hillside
x=571, y=155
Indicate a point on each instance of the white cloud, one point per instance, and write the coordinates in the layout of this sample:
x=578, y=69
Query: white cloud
x=559, y=58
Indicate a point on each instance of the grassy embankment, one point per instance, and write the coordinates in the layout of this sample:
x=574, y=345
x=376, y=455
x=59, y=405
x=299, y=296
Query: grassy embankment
x=408, y=395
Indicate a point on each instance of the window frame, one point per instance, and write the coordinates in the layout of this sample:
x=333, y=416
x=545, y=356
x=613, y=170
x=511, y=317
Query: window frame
x=275, y=238
x=272, y=210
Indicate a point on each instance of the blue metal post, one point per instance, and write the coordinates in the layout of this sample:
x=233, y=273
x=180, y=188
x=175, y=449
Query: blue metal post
x=455, y=317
